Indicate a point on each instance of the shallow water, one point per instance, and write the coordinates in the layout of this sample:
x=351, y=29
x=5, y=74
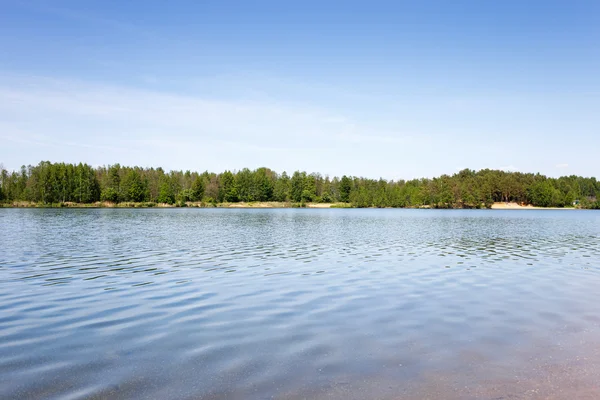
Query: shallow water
x=292, y=303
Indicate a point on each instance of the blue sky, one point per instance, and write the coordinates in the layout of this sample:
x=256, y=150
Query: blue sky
x=374, y=88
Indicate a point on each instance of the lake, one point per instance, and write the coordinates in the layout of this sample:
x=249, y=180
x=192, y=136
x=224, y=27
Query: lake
x=299, y=303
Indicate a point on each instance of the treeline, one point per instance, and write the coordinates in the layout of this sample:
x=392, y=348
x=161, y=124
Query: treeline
x=50, y=183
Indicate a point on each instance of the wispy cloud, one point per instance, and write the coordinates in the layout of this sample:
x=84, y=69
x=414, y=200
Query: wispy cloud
x=562, y=166
x=125, y=112
x=99, y=122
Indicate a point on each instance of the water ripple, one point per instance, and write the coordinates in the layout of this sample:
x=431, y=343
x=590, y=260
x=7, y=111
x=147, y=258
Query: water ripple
x=118, y=303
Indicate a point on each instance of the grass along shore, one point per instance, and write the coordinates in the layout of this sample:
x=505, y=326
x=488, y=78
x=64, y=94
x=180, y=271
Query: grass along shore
x=257, y=204
x=108, y=204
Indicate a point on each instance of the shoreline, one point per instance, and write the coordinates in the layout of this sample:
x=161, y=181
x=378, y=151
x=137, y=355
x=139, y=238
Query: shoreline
x=257, y=205
x=516, y=206
x=107, y=204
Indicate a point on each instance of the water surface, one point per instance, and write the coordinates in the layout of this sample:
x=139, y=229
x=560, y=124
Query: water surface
x=292, y=303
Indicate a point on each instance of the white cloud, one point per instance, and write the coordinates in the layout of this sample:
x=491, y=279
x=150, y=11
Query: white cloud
x=66, y=120
x=73, y=120
x=129, y=114
x=562, y=165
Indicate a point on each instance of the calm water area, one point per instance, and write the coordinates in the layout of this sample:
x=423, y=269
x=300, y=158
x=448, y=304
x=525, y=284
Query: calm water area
x=299, y=304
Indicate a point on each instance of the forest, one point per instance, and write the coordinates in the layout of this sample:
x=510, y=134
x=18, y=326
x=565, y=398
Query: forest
x=60, y=183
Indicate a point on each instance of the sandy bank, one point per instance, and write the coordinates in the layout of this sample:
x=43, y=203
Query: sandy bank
x=516, y=206
x=273, y=204
x=256, y=204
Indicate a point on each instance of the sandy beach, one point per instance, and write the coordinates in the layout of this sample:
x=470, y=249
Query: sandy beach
x=517, y=206
x=273, y=204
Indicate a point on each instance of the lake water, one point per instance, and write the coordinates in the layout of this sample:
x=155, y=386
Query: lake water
x=299, y=303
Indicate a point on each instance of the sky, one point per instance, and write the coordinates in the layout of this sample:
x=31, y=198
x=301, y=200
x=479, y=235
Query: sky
x=391, y=89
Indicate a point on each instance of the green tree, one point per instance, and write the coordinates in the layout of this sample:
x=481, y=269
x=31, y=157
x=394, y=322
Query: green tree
x=345, y=189
x=360, y=198
x=541, y=193
x=61, y=182
x=309, y=190
x=4, y=177
x=198, y=189
x=281, y=191
x=244, y=185
x=110, y=194
x=135, y=188
x=297, y=186
x=380, y=198
x=263, y=184
x=86, y=187
x=112, y=191
x=166, y=193
x=227, y=188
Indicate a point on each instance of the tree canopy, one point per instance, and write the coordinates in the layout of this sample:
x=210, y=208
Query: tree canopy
x=60, y=182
